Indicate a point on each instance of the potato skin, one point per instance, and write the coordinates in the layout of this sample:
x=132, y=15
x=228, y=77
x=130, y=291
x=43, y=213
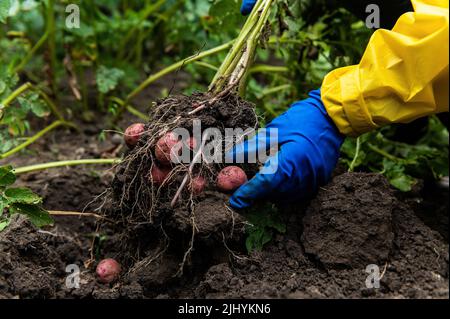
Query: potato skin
x=192, y=143
x=198, y=185
x=133, y=133
x=108, y=270
x=231, y=178
x=158, y=174
x=165, y=146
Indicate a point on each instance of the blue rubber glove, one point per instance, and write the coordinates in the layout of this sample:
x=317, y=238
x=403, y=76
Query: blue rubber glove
x=247, y=6
x=309, y=145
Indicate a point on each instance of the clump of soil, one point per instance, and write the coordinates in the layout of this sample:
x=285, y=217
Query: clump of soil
x=32, y=261
x=354, y=216
x=150, y=226
x=350, y=222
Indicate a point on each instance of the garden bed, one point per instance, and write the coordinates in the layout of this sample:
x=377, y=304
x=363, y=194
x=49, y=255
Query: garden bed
x=355, y=221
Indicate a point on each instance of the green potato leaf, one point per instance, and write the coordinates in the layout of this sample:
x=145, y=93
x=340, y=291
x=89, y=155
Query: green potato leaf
x=22, y=195
x=7, y=176
x=108, y=78
x=37, y=215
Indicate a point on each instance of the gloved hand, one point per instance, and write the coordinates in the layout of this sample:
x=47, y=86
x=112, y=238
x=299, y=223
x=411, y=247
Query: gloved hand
x=247, y=6
x=309, y=145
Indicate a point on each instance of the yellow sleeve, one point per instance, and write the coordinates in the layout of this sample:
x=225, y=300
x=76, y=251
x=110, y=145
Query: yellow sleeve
x=402, y=76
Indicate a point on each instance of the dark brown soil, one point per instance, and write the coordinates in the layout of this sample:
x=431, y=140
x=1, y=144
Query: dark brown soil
x=355, y=221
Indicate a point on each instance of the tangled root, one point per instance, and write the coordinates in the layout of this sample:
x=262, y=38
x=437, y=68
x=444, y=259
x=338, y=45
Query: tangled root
x=136, y=203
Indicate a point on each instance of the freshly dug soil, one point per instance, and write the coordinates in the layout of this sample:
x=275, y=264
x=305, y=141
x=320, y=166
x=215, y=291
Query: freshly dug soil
x=414, y=258
x=354, y=221
x=337, y=236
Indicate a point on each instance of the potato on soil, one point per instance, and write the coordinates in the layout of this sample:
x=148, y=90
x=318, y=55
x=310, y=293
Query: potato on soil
x=133, y=133
x=108, y=270
x=192, y=143
x=159, y=174
x=231, y=178
x=165, y=147
x=198, y=185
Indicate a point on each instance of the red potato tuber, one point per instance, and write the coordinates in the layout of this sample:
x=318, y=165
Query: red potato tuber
x=166, y=145
x=133, y=133
x=159, y=174
x=108, y=270
x=192, y=143
x=230, y=178
x=198, y=185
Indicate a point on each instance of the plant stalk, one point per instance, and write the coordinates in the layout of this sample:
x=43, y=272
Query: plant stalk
x=235, y=67
x=351, y=168
x=30, y=53
x=51, y=43
x=152, y=78
x=40, y=167
x=35, y=137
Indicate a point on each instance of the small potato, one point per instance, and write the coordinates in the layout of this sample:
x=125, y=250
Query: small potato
x=231, y=178
x=133, y=133
x=159, y=174
x=166, y=145
x=192, y=143
x=108, y=270
x=198, y=185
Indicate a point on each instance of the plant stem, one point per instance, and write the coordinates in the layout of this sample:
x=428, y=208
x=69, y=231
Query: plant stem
x=237, y=46
x=276, y=89
x=50, y=103
x=144, y=14
x=384, y=154
x=351, y=168
x=35, y=137
x=262, y=68
x=78, y=214
x=175, y=66
x=30, y=53
x=129, y=108
x=206, y=65
x=137, y=113
x=27, y=86
x=234, y=69
x=14, y=95
x=51, y=43
x=40, y=167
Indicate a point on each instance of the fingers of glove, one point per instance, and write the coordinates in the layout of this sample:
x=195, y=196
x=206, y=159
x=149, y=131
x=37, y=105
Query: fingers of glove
x=247, y=6
x=264, y=184
x=255, y=148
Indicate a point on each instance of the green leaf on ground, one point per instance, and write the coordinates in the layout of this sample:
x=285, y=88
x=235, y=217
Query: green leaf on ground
x=7, y=176
x=37, y=215
x=32, y=102
x=22, y=195
x=265, y=222
x=108, y=78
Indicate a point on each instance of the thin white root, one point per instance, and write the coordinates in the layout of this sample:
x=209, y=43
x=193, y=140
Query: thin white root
x=190, y=169
x=78, y=214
